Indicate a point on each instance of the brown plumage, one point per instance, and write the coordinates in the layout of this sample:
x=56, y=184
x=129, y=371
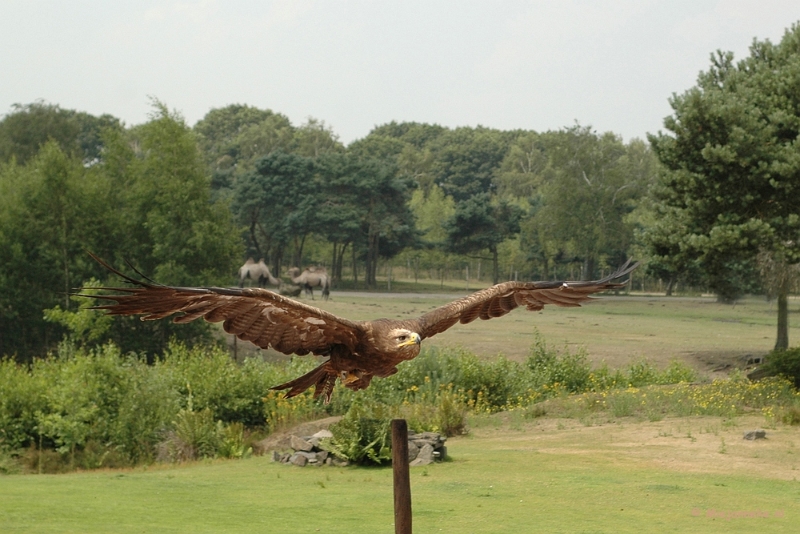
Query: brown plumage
x=357, y=351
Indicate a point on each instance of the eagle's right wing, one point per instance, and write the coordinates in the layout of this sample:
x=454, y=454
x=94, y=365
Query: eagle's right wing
x=500, y=299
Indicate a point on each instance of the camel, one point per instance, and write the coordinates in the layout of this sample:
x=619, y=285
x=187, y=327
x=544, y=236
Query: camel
x=258, y=272
x=309, y=279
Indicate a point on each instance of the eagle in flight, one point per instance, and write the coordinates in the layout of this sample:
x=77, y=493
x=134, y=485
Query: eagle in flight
x=357, y=351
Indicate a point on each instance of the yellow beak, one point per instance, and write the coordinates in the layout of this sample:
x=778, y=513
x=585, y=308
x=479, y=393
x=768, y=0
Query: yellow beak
x=413, y=340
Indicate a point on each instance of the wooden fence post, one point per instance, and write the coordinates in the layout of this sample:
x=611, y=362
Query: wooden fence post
x=402, y=479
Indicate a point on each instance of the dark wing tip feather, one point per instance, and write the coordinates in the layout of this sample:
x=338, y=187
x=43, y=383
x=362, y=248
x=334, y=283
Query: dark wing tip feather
x=130, y=280
x=626, y=269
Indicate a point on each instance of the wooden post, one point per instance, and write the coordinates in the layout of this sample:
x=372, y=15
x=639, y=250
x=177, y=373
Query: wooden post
x=402, y=479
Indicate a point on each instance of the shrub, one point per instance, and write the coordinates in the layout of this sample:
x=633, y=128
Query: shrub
x=232, y=392
x=22, y=396
x=791, y=416
x=9, y=465
x=784, y=363
x=363, y=435
x=232, y=442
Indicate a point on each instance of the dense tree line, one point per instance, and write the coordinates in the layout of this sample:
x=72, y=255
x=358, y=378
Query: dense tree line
x=185, y=205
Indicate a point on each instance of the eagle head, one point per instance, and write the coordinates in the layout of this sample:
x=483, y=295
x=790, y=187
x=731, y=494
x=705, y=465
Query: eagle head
x=405, y=342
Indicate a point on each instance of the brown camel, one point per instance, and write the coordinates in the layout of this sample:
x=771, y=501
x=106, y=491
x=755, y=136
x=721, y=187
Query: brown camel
x=309, y=279
x=258, y=272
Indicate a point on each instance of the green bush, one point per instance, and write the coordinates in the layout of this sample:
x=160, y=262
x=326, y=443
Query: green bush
x=232, y=392
x=784, y=363
x=97, y=407
x=22, y=396
x=81, y=408
x=572, y=372
x=363, y=435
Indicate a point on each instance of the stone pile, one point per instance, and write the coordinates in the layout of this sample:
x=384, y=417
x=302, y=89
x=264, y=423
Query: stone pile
x=306, y=451
x=423, y=449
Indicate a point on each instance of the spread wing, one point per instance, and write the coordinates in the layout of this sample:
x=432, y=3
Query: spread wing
x=500, y=299
x=257, y=315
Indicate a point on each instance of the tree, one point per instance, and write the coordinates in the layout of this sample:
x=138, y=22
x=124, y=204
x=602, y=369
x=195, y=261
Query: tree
x=522, y=169
x=183, y=237
x=314, y=139
x=374, y=196
x=732, y=156
x=145, y=198
x=589, y=186
x=233, y=138
x=28, y=127
x=276, y=202
x=51, y=210
x=480, y=224
x=465, y=160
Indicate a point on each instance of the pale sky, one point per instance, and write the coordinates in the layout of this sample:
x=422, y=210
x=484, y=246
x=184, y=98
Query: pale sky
x=536, y=65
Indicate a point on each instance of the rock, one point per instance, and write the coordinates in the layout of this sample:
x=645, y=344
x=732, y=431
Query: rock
x=280, y=440
x=420, y=461
x=755, y=434
x=338, y=462
x=276, y=456
x=299, y=444
x=322, y=434
x=426, y=453
x=310, y=456
x=298, y=460
x=435, y=436
x=413, y=451
x=322, y=456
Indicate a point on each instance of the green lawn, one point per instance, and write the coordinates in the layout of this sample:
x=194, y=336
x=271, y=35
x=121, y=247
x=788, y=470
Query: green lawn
x=543, y=476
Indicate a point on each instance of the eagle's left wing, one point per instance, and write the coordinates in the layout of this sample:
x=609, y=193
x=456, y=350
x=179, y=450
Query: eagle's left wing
x=500, y=299
x=252, y=314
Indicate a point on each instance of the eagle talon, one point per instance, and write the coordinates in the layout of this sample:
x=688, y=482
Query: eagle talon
x=348, y=377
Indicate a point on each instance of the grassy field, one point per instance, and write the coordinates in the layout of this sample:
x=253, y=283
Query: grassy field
x=618, y=330
x=546, y=475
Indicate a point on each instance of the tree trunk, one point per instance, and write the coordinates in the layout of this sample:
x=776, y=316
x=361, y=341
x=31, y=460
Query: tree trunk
x=355, y=267
x=670, y=286
x=587, y=268
x=495, y=266
x=299, y=244
x=340, y=261
x=782, y=343
x=277, y=261
x=371, y=276
x=334, y=257
x=254, y=238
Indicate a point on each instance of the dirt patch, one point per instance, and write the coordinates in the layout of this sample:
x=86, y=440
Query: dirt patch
x=687, y=444
x=719, y=364
x=280, y=440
